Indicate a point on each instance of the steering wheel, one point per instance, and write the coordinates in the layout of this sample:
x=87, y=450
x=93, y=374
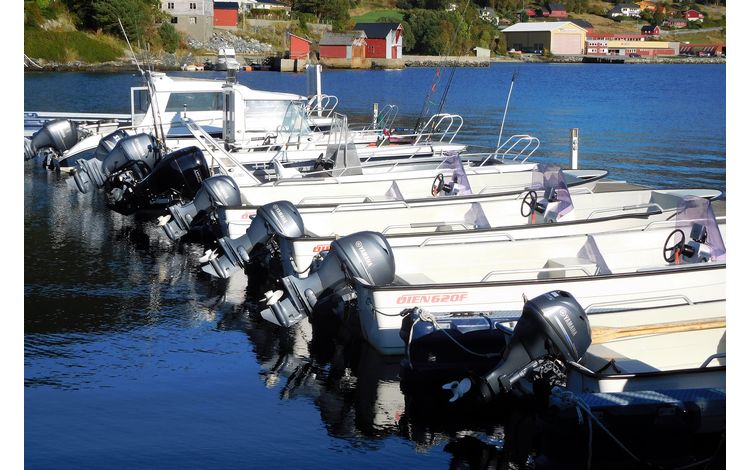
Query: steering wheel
x=675, y=249
x=528, y=201
x=437, y=184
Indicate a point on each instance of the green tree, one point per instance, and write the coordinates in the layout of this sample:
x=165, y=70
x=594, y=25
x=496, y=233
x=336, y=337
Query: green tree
x=170, y=38
x=137, y=17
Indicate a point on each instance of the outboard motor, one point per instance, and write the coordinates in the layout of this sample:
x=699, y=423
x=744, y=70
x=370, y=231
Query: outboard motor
x=364, y=256
x=279, y=218
x=138, y=152
x=104, y=146
x=175, y=178
x=216, y=191
x=57, y=136
x=553, y=325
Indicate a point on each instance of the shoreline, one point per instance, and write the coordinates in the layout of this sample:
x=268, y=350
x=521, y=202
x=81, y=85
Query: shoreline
x=405, y=62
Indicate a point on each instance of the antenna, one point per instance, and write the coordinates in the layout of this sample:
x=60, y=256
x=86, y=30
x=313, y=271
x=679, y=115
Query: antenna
x=129, y=46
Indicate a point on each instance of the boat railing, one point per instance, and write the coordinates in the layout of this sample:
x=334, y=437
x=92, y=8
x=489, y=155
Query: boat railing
x=227, y=164
x=441, y=127
x=584, y=268
x=674, y=300
x=322, y=105
x=712, y=358
x=646, y=206
x=373, y=205
x=461, y=225
x=515, y=147
x=467, y=240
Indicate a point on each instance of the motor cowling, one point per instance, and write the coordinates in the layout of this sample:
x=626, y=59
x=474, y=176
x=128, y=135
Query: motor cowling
x=279, y=218
x=551, y=325
x=58, y=135
x=363, y=256
x=175, y=178
x=140, y=152
x=215, y=191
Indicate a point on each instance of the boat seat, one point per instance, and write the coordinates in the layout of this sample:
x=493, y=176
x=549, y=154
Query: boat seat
x=568, y=267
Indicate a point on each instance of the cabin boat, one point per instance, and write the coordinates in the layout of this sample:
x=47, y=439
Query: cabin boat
x=379, y=281
x=226, y=59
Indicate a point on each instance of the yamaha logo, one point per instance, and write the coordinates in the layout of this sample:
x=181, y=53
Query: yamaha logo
x=568, y=321
x=365, y=256
x=280, y=214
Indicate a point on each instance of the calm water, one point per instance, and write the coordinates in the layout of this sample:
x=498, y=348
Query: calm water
x=135, y=359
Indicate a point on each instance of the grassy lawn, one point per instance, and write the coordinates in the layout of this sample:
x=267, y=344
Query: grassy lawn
x=373, y=15
x=66, y=46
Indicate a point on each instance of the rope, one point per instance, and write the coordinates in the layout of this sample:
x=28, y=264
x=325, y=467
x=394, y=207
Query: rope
x=428, y=317
x=567, y=396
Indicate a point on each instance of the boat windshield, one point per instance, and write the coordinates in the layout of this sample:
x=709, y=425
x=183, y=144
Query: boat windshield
x=461, y=185
x=272, y=115
x=195, y=101
x=696, y=218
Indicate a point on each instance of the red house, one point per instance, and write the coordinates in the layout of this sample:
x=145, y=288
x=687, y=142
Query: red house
x=650, y=30
x=384, y=40
x=226, y=13
x=693, y=15
x=299, y=48
x=343, y=45
x=556, y=10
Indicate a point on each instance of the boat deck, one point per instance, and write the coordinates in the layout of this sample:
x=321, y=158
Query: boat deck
x=719, y=205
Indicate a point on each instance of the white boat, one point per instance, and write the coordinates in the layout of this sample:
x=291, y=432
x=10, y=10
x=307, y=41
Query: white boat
x=465, y=219
x=656, y=364
x=255, y=125
x=226, y=59
x=495, y=275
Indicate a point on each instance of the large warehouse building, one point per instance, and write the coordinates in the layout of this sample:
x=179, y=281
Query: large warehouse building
x=559, y=37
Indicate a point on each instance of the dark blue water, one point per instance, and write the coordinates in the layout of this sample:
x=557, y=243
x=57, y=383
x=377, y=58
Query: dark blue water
x=134, y=359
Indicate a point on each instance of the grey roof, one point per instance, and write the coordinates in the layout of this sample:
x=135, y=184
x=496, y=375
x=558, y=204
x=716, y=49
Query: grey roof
x=377, y=30
x=556, y=7
x=582, y=23
x=341, y=39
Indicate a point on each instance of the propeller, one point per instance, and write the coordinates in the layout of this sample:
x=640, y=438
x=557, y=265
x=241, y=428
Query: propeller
x=459, y=389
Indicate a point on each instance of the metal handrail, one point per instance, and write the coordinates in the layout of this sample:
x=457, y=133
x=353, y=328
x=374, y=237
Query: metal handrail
x=627, y=208
x=452, y=240
x=423, y=225
x=576, y=267
x=357, y=206
x=710, y=359
x=625, y=303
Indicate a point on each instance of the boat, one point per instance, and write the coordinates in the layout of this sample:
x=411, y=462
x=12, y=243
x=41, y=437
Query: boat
x=226, y=59
x=349, y=182
x=376, y=281
x=548, y=210
x=621, y=367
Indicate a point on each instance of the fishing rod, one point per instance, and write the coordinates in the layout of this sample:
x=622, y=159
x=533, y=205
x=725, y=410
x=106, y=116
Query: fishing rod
x=151, y=88
x=505, y=113
x=438, y=75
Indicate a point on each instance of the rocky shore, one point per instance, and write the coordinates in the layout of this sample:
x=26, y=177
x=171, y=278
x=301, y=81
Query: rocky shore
x=170, y=62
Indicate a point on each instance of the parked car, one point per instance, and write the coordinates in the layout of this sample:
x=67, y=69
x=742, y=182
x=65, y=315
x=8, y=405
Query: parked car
x=633, y=54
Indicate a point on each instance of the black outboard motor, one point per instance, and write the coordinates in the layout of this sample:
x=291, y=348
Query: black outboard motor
x=137, y=152
x=364, y=256
x=216, y=191
x=176, y=178
x=553, y=325
x=279, y=218
x=56, y=136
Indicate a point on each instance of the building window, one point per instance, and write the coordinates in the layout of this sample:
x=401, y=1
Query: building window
x=170, y=5
x=193, y=6
x=193, y=20
x=173, y=20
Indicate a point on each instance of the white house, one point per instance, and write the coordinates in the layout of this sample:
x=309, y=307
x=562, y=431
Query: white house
x=192, y=17
x=625, y=9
